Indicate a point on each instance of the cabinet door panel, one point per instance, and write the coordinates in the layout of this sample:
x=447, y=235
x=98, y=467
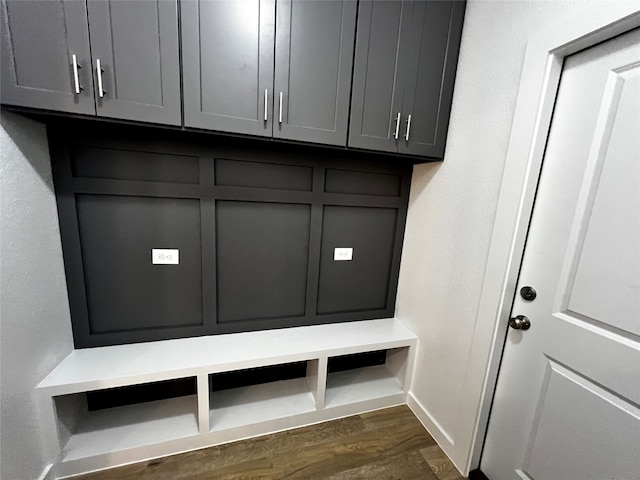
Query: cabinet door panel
x=377, y=79
x=435, y=42
x=227, y=49
x=314, y=58
x=38, y=41
x=137, y=45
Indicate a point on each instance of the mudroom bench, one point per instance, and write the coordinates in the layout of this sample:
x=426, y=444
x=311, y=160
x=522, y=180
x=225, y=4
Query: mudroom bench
x=102, y=438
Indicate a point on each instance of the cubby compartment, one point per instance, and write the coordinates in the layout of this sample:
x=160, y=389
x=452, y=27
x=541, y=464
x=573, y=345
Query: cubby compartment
x=153, y=413
x=257, y=395
x=372, y=381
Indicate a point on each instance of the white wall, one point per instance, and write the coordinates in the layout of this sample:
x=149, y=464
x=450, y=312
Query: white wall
x=452, y=211
x=35, y=325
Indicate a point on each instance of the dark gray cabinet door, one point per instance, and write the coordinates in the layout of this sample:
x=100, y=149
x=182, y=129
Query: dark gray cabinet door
x=314, y=58
x=227, y=57
x=376, y=105
x=435, y=42
x=136, y=45
x=39, y=43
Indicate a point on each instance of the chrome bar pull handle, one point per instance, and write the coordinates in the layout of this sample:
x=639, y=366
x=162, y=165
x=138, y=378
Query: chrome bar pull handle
x=397, y=132
x=266, y=105
x=76, y=80
x=280, y=110
x=99, y=71
x=406, y=137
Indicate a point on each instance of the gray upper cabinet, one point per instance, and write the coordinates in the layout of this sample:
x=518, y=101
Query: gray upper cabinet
x=435, y=42
x=134, y=44
x=40, y=43
x=367, y=74
x=234, y=83
x=405, y=63
x=314, y=59
x=376, y=103
x=228, y=59
x=118, y=59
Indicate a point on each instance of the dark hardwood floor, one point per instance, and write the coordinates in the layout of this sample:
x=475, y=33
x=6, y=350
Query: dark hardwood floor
x=385, y=444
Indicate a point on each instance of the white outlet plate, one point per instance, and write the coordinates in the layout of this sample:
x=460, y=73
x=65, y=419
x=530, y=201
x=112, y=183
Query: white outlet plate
x=165, y=256
x=343, y=254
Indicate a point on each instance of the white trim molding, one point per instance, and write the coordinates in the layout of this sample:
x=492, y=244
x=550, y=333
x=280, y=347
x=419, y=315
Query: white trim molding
x=49, y=473
x=439, y=434
x=539, y=83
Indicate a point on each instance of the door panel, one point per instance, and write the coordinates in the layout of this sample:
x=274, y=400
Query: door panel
x=601, y=423
x=137, y=45
x=605, y=286
x=566, y=402
x=377, y=78
x=435, y=42
x=314, y=58
x=39, y=39
x=227, y=59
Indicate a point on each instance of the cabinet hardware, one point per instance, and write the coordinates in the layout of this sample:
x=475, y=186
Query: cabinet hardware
x=397, y=132
x=280, y=110
x=99, y=71
x=76, y=81
x=266, y=106
x=406, y=137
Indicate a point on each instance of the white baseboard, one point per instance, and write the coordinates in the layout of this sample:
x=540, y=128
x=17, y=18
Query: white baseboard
x=439, y=434
x=49, y=473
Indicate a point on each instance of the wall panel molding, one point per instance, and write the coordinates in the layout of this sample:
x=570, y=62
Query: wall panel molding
x=260, y=220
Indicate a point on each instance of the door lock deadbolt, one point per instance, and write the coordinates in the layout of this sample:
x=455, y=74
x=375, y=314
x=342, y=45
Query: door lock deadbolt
x=528, y=293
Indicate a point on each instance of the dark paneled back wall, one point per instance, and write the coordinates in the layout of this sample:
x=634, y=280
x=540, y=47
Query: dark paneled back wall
x=254, y=225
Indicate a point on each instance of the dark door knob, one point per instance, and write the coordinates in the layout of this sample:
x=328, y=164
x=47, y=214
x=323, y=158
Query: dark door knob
x=520, y=322
x=528, y=293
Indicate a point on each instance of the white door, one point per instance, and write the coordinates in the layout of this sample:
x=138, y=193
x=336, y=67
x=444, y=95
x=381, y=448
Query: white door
x=567, y=403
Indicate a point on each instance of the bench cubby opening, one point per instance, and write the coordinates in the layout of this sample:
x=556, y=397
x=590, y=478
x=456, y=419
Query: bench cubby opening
x=256, y=395
x=366, y=382
x=102, y=425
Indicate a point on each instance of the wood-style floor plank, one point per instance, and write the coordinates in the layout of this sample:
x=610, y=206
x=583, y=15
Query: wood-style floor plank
x=440, y=463
x=385, y=444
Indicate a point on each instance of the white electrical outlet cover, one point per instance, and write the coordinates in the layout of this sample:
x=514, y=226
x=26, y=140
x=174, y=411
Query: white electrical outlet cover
x=165, y=256
x=342, y=254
